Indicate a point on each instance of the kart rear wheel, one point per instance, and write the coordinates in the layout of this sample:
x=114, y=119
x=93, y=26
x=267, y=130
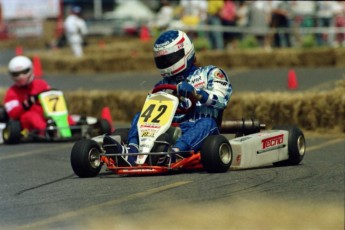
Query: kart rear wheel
x=216, y=154
x=296, y=145
x=85, y=158
x=12, y=132
x=103, y=126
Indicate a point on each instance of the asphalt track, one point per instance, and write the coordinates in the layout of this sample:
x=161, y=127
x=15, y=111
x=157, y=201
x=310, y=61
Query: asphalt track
x=254, y=80
x=38, y=189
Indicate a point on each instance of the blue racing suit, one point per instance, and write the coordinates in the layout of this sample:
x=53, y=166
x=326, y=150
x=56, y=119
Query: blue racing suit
x=214, y=85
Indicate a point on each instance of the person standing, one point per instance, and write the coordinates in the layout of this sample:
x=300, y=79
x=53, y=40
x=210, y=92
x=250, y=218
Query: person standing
x=213, y=19
x=75, y=30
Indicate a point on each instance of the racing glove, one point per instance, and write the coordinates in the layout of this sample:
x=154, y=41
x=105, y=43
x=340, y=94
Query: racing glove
x=184, y=89
x=27, y=103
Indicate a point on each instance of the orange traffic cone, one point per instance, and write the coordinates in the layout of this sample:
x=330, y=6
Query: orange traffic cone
x=37, y=67
x=101, y=44
x=144, y=34
x=107, y=116
x=19, y=51
x=292, y=80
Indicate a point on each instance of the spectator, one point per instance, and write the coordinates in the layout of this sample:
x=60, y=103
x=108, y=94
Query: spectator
x=280, y=20
x=303, y=13
x=228, y=15
x=242, y=17
x=164, y=16
x=324, y=19
x=259, y=18
x=339, y=11
x=213, y=19
x=75, y=31
x=194, y=12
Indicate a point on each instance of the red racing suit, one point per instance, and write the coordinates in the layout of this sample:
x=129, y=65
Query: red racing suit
x=32, y=118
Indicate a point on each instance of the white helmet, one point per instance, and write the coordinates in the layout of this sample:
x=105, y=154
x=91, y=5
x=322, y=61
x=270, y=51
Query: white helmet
x=20, y=68
x=173, y=53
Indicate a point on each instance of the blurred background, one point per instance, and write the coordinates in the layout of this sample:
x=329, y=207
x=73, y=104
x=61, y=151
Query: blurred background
x=239, y=24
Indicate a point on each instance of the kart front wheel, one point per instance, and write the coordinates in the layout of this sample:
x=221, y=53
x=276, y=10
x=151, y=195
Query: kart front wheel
x=296, y=145
x=12, y=132
x=85, y=158
x=216, y=154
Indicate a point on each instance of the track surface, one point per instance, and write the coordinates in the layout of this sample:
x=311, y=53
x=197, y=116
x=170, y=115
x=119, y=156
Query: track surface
x=257, y=80
x=38, y=189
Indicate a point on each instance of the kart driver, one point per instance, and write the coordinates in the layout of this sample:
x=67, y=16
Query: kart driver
x=175, y=59
x=20, y=102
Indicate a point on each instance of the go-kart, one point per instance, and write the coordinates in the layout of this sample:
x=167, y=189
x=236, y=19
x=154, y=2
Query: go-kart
x=58, y=127
x=251, y=147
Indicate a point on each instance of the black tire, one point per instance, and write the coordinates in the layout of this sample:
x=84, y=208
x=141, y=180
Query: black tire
x=296, y=145
x=3, y=115
x=104, y=127
x=12, y=132
x=123, y=133
x=85, y=158
x=216, y=154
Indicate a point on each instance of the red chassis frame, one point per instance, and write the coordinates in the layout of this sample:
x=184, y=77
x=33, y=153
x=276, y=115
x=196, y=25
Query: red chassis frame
x=191, y=162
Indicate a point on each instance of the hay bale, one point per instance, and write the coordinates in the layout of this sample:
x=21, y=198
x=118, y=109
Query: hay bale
x=310, y=110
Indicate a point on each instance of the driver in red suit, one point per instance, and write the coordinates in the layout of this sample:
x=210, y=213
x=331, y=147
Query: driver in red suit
x=20, y=104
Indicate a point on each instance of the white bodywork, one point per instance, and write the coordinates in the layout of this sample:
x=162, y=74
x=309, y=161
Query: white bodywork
x=155, y=119
x=259, y=149
x=2, y=127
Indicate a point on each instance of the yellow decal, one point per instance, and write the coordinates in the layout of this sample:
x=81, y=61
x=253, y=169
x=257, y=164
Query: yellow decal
x=156, y=112
x=54, y=103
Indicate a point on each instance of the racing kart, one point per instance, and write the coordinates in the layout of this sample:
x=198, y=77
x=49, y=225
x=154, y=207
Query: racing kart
x=252, y=146
x=58, y=127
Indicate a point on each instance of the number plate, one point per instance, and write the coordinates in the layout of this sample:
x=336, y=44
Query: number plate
x=53, y=103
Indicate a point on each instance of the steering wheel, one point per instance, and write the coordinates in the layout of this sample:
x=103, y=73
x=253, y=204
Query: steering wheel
x=193, y=99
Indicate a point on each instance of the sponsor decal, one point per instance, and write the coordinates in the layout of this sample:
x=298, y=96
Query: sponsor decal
x=151, y=126
x=272, y=141
x=180, y=46
x=195, y=79
x=148, y=133
x=224, y=83
x=138, y=170
x=162, y=44
x=219, y=75
x=238, y=159
x=198, y=85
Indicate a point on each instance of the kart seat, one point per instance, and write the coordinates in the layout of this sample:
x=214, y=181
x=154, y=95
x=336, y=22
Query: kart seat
x=174, y=132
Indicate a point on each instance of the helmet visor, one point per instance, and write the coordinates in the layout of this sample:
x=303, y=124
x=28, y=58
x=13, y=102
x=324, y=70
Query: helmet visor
x=17, y=74
x=168, y=60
